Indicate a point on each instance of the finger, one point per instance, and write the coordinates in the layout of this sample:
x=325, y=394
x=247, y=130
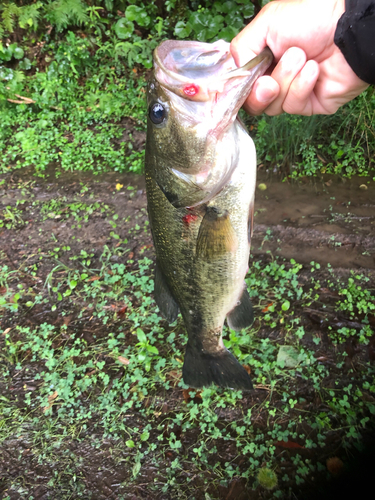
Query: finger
x=265, y=90
x=284, y=73
x=299, y=99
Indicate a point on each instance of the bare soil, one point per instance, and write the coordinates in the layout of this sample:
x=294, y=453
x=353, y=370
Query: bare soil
x=327, y=221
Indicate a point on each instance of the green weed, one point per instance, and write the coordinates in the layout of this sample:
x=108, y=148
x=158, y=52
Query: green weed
x=131, y=360
x=70, y=112
x=11, y=218
x=311, y=146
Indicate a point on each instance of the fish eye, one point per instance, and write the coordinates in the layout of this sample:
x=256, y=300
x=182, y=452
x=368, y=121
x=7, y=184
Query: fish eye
x=157, y=113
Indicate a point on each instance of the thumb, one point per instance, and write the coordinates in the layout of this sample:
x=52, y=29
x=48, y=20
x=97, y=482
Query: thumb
x=252, y=39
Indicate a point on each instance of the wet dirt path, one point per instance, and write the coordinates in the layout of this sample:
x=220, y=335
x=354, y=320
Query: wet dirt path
x=330, y=221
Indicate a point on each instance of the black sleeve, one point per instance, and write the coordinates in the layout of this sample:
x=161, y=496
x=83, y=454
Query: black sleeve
x=355, y=37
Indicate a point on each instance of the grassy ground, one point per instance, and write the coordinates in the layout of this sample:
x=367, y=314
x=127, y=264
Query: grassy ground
x=91, y=399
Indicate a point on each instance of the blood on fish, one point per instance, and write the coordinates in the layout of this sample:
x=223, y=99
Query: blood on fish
x=189, y=218
x=191, y=89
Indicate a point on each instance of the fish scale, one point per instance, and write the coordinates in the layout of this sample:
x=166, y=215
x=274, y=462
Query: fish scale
x=200, y=181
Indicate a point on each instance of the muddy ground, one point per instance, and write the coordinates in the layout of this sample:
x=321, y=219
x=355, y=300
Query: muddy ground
x=326, y=221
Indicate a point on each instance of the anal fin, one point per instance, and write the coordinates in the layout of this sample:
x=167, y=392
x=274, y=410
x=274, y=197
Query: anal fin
x=242, y=315
x=164, y=298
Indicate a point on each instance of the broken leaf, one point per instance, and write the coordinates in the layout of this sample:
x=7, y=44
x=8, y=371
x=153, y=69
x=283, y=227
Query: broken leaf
x=287, y=444
x=288, y=356
x=123, y=360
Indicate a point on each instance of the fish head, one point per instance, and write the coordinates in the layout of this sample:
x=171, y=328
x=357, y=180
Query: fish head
x=193, y=99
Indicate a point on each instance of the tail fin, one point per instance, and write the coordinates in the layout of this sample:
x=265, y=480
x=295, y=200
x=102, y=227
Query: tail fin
x=202, y=369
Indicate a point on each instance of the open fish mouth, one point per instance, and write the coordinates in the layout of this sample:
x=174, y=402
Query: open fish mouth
x=204, y=72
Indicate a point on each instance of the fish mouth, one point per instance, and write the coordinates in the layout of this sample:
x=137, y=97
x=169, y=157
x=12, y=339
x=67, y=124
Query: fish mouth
x=203, y=72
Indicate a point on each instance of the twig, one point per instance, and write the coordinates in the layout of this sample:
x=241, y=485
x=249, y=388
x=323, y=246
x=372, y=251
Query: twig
x=27, y=100
x=342, y=216
x=24, y=100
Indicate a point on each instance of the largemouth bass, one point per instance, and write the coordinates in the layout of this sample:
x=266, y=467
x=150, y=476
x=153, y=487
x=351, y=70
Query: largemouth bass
x=200, y=181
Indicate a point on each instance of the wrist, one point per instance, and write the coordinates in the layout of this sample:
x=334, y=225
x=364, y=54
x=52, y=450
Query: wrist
x=355, y=37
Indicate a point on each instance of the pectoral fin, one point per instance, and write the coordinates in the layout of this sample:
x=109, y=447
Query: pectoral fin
x=242, y=315
x=216, y=235
x=164, y=298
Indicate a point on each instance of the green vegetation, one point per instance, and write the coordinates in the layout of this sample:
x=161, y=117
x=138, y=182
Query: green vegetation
x=72, y=84
x=340, y=144
x=85, y=357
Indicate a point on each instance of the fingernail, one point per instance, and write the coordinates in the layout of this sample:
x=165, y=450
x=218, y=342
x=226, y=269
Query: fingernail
x=264, y=94
x=292, y=57
x=308, y=71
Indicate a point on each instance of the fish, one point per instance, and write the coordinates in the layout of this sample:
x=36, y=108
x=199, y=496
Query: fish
x=200, y=170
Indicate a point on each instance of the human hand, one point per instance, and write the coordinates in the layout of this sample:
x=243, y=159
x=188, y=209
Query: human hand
x=311, y=75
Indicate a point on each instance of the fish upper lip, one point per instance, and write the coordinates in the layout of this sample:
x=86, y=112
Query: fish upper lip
x=169, y=72
x=222, y=47
x=178, y=78
x=265, y=56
